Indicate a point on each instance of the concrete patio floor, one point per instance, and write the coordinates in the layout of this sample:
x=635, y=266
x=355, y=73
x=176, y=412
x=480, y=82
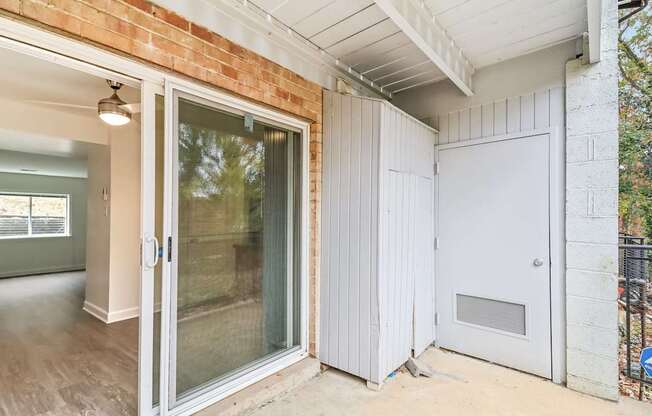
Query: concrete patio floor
x=465, y=386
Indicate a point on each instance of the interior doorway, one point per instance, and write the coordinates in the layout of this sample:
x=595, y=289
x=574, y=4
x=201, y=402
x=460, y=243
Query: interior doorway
x=69, y=241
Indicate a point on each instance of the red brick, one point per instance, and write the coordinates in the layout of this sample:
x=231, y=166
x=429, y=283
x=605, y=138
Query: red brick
x=106, y=37
x=170, y=17
x=201, y=32
x=12, y=6
x=51, y=16
x=140, y=4
x=149, y=53
x=229, y=71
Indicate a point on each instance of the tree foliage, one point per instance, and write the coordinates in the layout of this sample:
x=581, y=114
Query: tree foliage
x=635, y=95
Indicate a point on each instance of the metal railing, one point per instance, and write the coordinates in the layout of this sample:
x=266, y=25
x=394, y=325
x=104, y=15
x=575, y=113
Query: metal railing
x=635, y=300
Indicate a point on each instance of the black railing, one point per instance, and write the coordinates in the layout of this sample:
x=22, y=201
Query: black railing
x=635, y=300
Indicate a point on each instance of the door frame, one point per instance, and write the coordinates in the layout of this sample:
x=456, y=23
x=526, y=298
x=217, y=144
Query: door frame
x=215, y=392
x=556, y=199
x=58, y=49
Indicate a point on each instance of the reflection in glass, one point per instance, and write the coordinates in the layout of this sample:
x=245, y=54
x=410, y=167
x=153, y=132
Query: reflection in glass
x=237, y=286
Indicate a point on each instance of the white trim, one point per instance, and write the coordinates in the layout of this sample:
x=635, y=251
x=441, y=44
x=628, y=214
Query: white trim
x=43, y=270
x=594, y=23
x=557, y=254
x=147, y=233
x=557, y=237
x=123, y=314
x=421, y=31
x=96, y=311
x=201, y=402
x=111, y=317
x=173, y=90
x=61, y=50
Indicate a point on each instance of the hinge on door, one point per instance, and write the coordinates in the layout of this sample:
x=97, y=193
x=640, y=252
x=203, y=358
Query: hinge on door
x=169, y=249
x=436, y=318
x=435, y=168
x=436, y=243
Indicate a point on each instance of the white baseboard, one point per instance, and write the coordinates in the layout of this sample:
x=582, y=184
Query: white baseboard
x=110, y=317
x=43, y=270
x=96, y=311
x=124, y=314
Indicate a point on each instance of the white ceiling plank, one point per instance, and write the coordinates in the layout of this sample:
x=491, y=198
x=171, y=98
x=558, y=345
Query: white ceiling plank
x=363, y=39
x=594, y=16
x=533, y=36
x=406, y=54
x=328, y=16
x=525, y=47
x=522, y=26
x=293, y=12
x=345, y=28
x=378, y=48
x=432, y=41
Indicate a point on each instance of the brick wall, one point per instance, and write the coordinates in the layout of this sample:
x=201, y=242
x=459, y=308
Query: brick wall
x=149, y=33
x=592, y=217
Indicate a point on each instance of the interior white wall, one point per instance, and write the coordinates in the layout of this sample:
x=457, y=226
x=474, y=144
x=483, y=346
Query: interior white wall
x=113, y=272
x=125, y=221
x=541, y=70
x=24, y=256
x=98, y=232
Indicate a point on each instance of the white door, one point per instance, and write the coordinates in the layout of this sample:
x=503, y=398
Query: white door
x=493, y=286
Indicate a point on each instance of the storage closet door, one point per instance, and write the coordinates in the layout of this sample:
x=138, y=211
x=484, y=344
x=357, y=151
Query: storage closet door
x=422, y=223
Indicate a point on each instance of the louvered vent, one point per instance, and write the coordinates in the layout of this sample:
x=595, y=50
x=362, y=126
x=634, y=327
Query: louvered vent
x=504, y=316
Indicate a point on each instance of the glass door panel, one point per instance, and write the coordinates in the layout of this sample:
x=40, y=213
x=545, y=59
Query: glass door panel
x=236, y=293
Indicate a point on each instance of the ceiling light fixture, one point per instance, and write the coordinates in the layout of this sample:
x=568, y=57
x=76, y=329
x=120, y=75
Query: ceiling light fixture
x=111, y=110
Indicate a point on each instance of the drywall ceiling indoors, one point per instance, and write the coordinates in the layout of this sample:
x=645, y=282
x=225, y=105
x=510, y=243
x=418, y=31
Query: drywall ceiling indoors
x=52, y=91
x=30, y=79
x=487, y=31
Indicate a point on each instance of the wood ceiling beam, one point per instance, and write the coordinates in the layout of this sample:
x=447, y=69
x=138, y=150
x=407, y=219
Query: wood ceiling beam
x=431, y=39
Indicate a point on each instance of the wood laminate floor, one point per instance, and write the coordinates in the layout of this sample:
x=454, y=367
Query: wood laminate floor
x=56, y=359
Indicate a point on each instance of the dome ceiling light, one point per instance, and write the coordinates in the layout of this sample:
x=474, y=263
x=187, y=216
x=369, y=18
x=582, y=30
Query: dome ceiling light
x=112, y=109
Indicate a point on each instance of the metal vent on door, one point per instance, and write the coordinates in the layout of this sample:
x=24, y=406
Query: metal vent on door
x=495, y=314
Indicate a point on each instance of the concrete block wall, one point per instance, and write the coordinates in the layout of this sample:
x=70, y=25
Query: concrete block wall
x=592, y=217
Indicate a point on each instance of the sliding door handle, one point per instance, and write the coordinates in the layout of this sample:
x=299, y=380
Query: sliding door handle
x=148, y=262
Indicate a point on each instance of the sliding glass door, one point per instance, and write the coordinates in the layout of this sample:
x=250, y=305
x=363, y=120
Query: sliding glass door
x=235, y=273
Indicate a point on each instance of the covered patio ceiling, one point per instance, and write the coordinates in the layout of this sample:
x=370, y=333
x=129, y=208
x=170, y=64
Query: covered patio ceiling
x=394, y=45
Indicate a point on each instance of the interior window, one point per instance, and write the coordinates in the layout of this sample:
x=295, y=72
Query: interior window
x=28, y=215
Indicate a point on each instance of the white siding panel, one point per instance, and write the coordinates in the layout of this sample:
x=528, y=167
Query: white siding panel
x=541, y=109
x=488, y=120
x=373, y=155
x=465, y=124
x=476, y=122
x=513, y=114
x=344, y=217
x=500, y=117
x=443, y=129
x=333, y=223
x=454, y=127
x=365, y=249
x=527, y=112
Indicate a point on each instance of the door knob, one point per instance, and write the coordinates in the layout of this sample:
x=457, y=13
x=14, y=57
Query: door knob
x=537, y=262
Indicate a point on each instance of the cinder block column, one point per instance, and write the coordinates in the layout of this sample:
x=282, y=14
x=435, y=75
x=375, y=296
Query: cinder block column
x=592, y=217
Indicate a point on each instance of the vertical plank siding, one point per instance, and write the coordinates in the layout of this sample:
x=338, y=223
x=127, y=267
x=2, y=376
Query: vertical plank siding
x=373, y=156
x=538, y=110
